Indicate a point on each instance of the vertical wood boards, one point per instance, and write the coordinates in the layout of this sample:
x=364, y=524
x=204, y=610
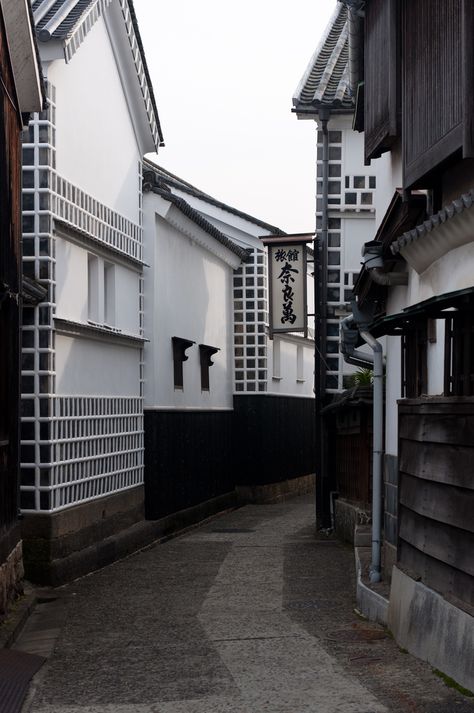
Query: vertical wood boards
x=381, y=77
x=432, y=87
x=436, y=493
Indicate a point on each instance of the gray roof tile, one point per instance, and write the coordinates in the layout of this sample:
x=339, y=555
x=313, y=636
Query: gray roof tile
x=457, y=206
x=326, y=79
x=48, y=12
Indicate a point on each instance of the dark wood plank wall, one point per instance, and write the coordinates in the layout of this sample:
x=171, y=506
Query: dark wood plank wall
x=381, y=76
x=350, y=452
x=10, y=234
x=432, y=86
x=436, y=493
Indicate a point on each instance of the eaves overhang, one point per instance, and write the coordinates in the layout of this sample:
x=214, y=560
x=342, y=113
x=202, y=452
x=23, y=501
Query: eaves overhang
x=325, y=82
x=165, y=178
x=450, y=228
x=437, y=307
x=23, y=53
x=63, y=25
x=189, y=221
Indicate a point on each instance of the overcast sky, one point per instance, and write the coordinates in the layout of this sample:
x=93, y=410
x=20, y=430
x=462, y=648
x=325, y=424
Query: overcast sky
x=224, y=74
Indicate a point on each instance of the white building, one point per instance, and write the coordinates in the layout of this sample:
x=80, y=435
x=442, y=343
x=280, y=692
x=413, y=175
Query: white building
x=222, y=400
x=324, y=87
x=82, y=378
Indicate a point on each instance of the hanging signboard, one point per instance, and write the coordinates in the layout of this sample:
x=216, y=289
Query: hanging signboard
x=287, y=277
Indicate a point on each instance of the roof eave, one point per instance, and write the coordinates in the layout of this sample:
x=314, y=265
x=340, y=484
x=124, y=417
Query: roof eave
x=23, y=55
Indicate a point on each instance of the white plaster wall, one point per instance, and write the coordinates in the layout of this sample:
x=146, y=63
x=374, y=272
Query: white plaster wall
x=72, y=293
x=89, y=367
x=188, y=295
x=392, y=393
x=71, y=281
x=284, y=376
x=97, y=148
x=355, y=232
x=389, y=178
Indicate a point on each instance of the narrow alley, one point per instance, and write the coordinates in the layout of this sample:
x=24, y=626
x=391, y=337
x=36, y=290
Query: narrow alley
x=244, y=614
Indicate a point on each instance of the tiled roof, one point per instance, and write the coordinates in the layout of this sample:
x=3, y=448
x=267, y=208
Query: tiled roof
x=165, y=178
x=55, y=19
x=326, y=79
x=195, y=216
x=455, y=208
x=70, y=21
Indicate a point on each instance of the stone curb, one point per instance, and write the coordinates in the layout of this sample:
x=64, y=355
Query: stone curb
x=18, y=614
x=370, y=604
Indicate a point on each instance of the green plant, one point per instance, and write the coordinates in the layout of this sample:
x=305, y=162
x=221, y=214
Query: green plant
x=362, y=377
x=451, y=683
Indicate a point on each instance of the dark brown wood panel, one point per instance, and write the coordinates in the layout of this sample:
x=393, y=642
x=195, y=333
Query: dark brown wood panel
x=445, y=504
x=381, y=77
x=436, y=493
x=432, y=88
x=468, y=78
x=438, y=462
x=438, y=429
x=441, y=542
x=443, y=578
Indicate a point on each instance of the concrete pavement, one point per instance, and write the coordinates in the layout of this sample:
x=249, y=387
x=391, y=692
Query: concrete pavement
x=248, y=613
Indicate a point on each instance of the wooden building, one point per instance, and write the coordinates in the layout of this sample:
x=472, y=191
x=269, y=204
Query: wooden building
x=415, y=107
x=20, y=94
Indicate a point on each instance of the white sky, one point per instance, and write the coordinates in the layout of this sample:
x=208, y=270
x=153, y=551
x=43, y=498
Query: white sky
x=224, y=74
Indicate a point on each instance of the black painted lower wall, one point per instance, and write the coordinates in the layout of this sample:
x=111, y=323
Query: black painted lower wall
x=194, y=456
x=273, y=438
x=188, y=459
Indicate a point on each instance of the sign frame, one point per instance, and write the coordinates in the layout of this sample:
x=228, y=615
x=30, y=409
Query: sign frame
x=280, y=241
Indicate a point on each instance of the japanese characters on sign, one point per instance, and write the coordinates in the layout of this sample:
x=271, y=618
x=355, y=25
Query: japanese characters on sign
x=287, y=268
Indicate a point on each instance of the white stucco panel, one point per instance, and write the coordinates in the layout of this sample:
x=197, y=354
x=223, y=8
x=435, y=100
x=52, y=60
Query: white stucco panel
x=97, y=149
x=188, y=293
x=89, y=367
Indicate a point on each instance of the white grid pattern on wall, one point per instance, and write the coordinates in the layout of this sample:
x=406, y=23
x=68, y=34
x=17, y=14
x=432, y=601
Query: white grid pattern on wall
x=73, y=448
x=250, y=324
x=90, y=447
x=84, y=212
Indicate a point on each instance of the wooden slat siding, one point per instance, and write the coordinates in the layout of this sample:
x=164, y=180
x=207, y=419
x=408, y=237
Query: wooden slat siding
x=448, y=581
x=10, y=252
x=381, y=77
x=351, y=459
x=445, y=504
x=436, y=493
x=468, y=78
x=438, y=462
x=432, y=124
x=439, y=428
x=439, y=541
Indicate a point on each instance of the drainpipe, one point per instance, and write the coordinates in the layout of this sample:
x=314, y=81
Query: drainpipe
x=349, y=337
x=320, y=302
x=372, y=259
x=376, y=564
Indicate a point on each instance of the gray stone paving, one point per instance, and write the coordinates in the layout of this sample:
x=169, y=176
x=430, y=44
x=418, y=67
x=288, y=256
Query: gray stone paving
x=227, y=621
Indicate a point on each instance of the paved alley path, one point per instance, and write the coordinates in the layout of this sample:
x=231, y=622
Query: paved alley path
x=246, y=614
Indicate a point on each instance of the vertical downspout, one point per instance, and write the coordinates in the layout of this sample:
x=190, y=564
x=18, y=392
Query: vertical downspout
x=377, y=480
x=320, y=300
